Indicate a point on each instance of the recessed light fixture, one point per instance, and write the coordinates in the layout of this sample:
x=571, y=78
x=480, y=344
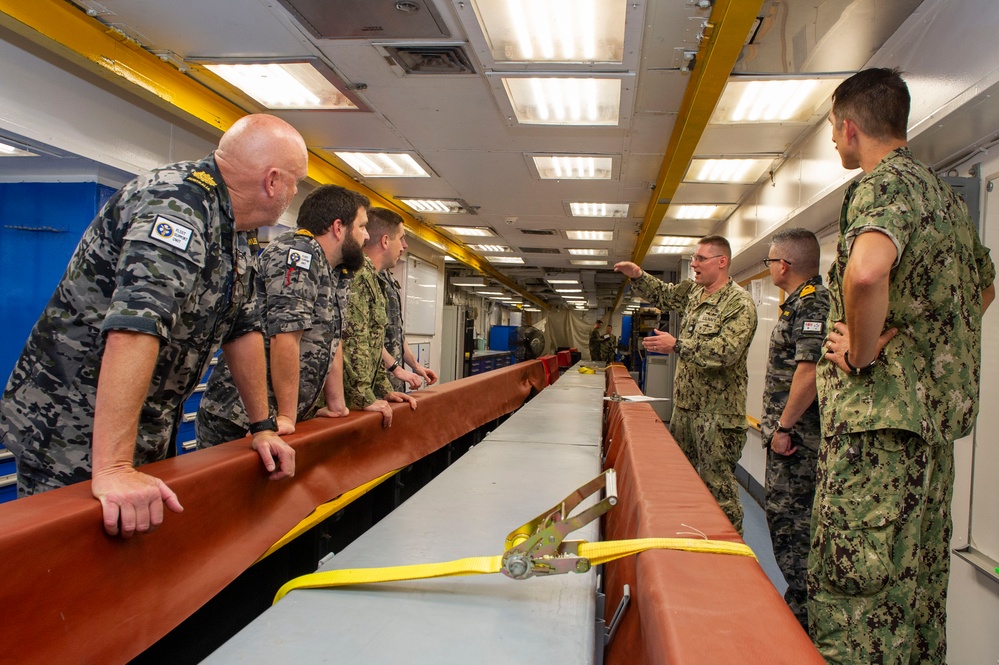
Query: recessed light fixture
x=587, y=262
x=7, y=150
x=588, y=252
x=573, y=167
x=589, y=235
x=564, y=100
x=568, y=290
x=307, y=84
x=470, y=231
x=468, y=281
x=383, y=164
x=696, y=212
x=505, y=259
x=598, y=209
x=488, y=293
x=773, y=100
x=549, y=31
x=490, y=248
x=741, y=171
x=437, y=206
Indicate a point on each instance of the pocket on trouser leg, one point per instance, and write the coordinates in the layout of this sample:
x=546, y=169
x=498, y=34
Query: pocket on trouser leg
x=858, y=562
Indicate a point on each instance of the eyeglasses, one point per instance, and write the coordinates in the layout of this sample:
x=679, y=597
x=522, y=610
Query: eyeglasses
x=767, y=262
x=701, y=259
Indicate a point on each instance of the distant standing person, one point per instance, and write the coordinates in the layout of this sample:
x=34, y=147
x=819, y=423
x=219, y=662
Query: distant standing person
x=596, y=348
x=161, y=278
x=718, y=321
x=608, y=345
x=899, y=384
x=790, y=425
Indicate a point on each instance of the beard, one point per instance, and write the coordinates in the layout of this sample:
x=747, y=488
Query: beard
x=353, y=255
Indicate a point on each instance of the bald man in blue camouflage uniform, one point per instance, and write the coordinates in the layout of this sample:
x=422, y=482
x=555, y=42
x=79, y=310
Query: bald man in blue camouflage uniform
x=302, y=285
x=898, y=385
x=718, y=321
x=161, y=278
x=790, y=424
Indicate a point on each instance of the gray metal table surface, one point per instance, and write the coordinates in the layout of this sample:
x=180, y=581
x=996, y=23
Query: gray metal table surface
x=466, y=511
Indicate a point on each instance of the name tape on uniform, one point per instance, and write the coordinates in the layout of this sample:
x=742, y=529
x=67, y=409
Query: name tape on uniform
x=299, y=259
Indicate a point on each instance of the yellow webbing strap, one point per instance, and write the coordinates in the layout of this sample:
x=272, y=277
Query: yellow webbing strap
x=324, y=511
x=597, y=553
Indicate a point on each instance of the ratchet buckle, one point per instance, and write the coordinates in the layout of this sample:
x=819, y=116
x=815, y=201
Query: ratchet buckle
x=538, y=548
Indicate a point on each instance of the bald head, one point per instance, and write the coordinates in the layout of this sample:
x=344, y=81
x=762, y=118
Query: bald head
x=262, y=159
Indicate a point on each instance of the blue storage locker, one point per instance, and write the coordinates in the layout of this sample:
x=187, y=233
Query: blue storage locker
x=8, y=477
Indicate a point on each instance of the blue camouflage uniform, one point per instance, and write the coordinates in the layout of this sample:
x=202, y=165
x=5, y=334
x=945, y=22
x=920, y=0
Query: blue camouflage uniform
x=881, y=527
x=296, y=290
x=162, y=258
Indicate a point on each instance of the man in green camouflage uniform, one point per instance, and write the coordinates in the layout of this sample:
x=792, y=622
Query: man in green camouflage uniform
x=790, y=424
x=718, y=321
x=300, y=295
x=595, y=346
x=898, y=385
x=161, y=278
x=397, y=353
x=365, y=382
x=608, y=345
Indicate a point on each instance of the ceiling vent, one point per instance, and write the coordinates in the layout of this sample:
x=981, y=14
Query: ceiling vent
x=540, y=250
x=434, y=59
x=365, y=19
x=538, y=232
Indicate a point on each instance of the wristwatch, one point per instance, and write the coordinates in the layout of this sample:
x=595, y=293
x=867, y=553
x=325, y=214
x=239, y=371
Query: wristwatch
x=394, y=367
x=859, y=371
x=261, y=425
x=783, y=430
x=676, y=347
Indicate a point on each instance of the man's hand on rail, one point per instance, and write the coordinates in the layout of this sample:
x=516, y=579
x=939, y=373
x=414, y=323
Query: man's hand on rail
x=132, y=502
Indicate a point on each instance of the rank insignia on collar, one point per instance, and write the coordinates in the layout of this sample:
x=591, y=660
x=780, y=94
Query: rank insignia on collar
x=807, y=290
x=202, y=178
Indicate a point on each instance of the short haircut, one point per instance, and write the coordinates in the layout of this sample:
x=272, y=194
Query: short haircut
x=600, y=322
x=877, y=101
x=381, y=222
x=800, y=248
x=328, y=203
x=718, y=242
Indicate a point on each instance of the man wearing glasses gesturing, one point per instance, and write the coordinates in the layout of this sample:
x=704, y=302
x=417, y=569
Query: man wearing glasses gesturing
x=718, y=321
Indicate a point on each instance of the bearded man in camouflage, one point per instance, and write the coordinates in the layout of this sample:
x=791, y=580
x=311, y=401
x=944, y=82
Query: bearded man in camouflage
x=718, y=321
x=790, y=425
x=161, y=279
x=899, y=383
x=302, y=284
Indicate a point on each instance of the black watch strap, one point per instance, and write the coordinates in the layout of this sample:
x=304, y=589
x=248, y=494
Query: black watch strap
x=858, y=371
x=261, y=425
x=783, y=430
x=394, y=367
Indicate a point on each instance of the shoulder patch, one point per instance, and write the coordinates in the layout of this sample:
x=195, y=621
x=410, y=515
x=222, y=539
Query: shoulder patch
x=807, y=290
x=170, y=232
x=299, y=259
x=202, y=178
x=811, y=326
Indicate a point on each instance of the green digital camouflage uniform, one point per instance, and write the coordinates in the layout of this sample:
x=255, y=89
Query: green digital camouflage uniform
x=161, y=258
x=608, y=348
x=881, y=528
x=595, y=347
x=296, y=290
x=394, y=337
x=364, y=376
x=790, y=479
x=709, y=390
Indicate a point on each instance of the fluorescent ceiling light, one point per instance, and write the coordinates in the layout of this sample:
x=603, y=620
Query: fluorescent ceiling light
x=488, y=293
x=468, y=281
x=565, y=100
x=436, y=206
x=676, y=241
x=490, y=248
x=450, y=259
x=599, y=209
x=568, y=290
x=286, y=85
x=696, y=212
x=553, y=30
x=505, y=259
x=573, y=167
x=587, y=262
x=383, y=164
x=7, y=150
x=589, y=235
x=531, y=309
x=470, y=231
x=573, y=298
x=562, y=281
x=668, y=249
x=742, y=171
x=773, y=100
x=588, y=252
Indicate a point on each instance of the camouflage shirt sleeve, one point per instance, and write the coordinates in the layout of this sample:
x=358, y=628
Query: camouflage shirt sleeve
x=874, y=207
x=810, y=324
x=667, y=297
x=288, y=276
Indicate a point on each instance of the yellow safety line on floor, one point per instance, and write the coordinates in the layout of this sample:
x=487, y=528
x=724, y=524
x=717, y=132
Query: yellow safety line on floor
x=324, y=511
x=596, y=553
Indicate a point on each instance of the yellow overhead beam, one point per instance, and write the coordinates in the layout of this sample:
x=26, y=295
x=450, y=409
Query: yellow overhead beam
x=64, y=29
x=724, y=36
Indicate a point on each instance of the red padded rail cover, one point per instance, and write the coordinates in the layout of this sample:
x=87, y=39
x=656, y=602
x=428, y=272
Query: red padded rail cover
x=551, y=367
x=686, y=607
x=564, y=358
x=70, y=593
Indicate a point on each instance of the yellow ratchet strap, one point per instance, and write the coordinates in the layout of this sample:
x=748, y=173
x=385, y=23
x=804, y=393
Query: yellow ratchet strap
x=534, y=549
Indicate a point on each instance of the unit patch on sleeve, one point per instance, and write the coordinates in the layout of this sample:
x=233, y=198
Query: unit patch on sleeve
x=811, y=326
x=171, y=233
x=299, y=259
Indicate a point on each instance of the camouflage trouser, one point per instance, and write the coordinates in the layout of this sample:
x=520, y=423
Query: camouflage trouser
x=211, y=430
x=879, y=565
x=790, y=491
x=713, y=444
